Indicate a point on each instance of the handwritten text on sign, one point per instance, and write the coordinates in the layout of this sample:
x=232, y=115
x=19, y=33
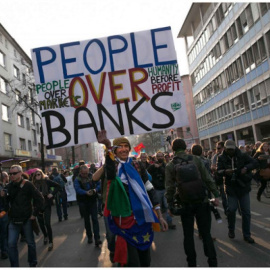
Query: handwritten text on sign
x=127, y=84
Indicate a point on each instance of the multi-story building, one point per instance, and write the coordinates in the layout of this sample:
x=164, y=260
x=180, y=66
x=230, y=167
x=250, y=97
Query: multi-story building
x=228, y=50
x=20, y=121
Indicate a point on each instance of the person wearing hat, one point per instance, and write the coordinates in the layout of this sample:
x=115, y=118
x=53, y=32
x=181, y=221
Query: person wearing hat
x=235, y=167
x=131, y=204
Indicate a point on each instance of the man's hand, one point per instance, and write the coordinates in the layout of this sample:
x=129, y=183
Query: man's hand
x=32, y=217
x=163, y=223
x=49, y=196
x=102, y=138
x=215, y=202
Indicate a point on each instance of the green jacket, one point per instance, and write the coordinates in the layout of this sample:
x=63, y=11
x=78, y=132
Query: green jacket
x=170, y=181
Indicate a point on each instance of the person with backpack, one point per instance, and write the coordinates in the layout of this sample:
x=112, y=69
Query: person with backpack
x=61, y=196
x=187, y=181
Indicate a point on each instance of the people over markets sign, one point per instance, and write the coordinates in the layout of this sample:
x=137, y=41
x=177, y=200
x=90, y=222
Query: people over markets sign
x=127, y=84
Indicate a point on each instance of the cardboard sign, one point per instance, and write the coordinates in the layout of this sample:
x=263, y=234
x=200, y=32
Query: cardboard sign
x=127, y=84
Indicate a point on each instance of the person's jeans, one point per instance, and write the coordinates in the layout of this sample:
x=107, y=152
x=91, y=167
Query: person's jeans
x=89, y=208
x=202, y=213
x=44, y=221
x=4, y=234
x=61, y=202
x=163, y=202
x=244, y=202
x=109, y=236
x=13, y=235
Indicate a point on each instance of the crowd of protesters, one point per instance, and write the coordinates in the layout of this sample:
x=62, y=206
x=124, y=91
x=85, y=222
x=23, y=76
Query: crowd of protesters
x=227, y=172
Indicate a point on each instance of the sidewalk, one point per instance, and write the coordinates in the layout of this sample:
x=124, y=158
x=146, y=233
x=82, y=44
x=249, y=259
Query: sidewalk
x=70, y=245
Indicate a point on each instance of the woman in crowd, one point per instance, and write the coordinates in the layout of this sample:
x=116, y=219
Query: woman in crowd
x=262, y=155
x=44, y=185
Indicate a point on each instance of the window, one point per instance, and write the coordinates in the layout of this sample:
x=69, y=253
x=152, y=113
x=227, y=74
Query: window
x=249, y=16
x=33, y=121
x=20, y=120
x=2, y=59
x=255, y=11
x=27, y=123
x=239, y=27
x=18, y=96
x=267, y=37
x=22, y=144
x=24, y=79
x=34, y=137
x=263, y=8
x=16, y=72
x=262, y=48
x=37, y=128
x=5, y=112
x=7, y=140
x=29, y=145
x=15, y=53
x=3, y=85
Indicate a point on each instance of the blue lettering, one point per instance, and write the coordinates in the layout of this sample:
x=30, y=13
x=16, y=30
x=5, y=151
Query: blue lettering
x=101, y=46
x=111, y=51
x=68, y=60
x=41, y=63
x=157, y=47
x=134, y=51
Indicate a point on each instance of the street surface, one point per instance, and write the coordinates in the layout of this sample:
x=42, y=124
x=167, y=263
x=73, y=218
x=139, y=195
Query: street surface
x=72, y=250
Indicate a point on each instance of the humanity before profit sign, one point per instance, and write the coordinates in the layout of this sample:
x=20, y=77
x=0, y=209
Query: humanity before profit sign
x=127, y=84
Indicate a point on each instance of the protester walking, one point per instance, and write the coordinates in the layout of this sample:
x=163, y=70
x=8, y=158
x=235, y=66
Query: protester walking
x=186, y=181
x=236, y=167
x=263, y=171
x=86, y=190
x=25, y=203
x=48, y=189
x=127, y=204
x=61, y=196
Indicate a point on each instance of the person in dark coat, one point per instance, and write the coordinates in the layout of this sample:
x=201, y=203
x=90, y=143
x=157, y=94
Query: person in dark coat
x=48, y=189
x=236, y=169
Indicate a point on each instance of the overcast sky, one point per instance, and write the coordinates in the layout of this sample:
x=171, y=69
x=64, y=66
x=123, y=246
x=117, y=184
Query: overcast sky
x=36, y=23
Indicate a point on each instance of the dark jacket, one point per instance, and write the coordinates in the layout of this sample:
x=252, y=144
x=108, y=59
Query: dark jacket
x=24, y=200
x=51, y=188
x=236, y=184
x=83, y=185
x=158, y=176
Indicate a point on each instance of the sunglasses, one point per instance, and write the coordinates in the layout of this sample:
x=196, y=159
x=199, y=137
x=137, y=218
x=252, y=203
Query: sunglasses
x=38, y=174
x=13, y=173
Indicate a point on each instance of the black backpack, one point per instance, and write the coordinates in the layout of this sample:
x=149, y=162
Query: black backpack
x=191, y=188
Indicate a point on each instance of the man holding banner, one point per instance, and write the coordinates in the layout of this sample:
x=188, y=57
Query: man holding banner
x=131, y=205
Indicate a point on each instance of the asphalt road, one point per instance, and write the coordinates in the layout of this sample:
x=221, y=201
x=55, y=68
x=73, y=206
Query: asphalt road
x=72, y=250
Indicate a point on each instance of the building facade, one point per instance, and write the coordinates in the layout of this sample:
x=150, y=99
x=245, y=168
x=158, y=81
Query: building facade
x=228, y=50
x=20, y=121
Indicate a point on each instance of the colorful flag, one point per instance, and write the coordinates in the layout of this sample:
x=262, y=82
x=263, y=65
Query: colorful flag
x=138, y=147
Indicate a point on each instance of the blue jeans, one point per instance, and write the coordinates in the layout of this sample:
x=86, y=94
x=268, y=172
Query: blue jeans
x=244, y=202
x=163, y=202
x=13, y=236
x=4, y=234
x=61, y=202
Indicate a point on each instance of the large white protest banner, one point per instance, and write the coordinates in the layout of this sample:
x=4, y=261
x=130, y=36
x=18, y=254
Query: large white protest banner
x=127, y=84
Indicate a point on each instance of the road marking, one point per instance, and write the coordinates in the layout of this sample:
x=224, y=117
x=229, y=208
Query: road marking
x=255, y=214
